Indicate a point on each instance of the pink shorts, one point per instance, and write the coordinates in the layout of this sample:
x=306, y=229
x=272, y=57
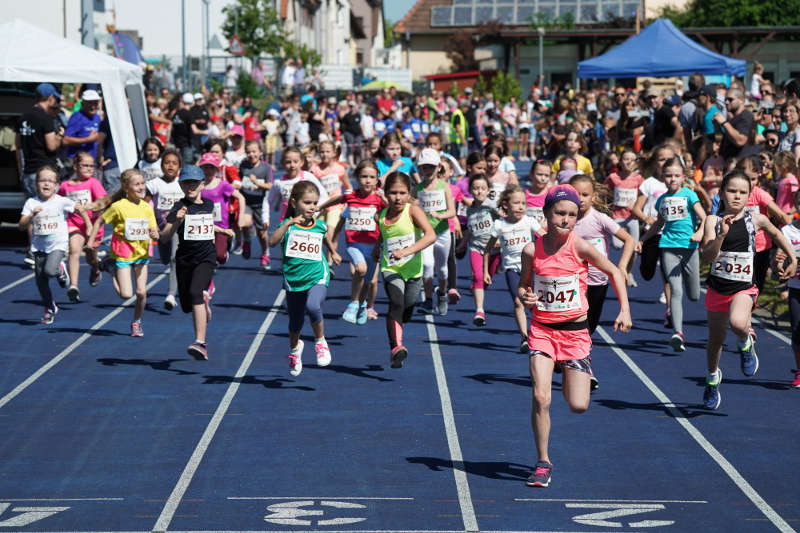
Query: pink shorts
x=721, y=303
x=560, y=345
x=476, y=262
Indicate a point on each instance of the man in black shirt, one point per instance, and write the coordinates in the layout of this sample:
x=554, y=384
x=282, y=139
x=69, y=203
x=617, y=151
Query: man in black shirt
x=736, y=128
x=353, y=134
x=471, y=114
x=182, y=130
x=200, y=122
x=37, y=139
x=665, y=121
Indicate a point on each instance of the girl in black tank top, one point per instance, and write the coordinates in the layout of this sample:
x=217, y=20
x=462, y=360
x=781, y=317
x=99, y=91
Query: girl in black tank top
x=732, y=271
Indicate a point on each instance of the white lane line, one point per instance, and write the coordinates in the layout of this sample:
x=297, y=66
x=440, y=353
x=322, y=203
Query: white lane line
x=62, y=499
x=21, y=280
x=603, y=500
x=459, y=471
x=777, y=334
x=709, y=448
x=189, y=471
x=316, y=498
x=69, y=349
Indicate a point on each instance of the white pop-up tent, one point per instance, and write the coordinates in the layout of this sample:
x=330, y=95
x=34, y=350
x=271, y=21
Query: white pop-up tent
x=31, y=54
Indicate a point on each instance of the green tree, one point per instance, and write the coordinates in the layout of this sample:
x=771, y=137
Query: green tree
x=504, y=86
x=725, y=13
x=388, y=33
x=258, y=25
x=310, y=57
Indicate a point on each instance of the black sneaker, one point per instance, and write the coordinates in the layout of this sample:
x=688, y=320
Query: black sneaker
x=50, y=315
x=29, y=260
x=95, y=276
x=523, y=345
x=668, y=320
x=198, y=350
x=541, y=475
x=399, y=354
x=74, y=294
x=593, y=383
x=426, y=307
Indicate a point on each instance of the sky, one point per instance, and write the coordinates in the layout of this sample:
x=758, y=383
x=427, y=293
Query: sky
x=394, y=10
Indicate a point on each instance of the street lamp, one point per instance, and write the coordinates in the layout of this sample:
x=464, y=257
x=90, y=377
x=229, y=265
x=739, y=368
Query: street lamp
x=540, y=31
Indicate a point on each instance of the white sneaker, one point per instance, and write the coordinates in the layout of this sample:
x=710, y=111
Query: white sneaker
x=296, y=360
x=323, y=353
x=169, y=302
x=632, y=282
x=663, y=298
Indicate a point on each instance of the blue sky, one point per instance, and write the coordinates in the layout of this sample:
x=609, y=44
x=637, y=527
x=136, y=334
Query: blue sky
x=395, y=9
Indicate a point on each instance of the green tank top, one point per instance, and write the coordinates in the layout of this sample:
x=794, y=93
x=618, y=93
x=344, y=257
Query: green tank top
x=304, y=261
x=401, y=234
x=434, y=201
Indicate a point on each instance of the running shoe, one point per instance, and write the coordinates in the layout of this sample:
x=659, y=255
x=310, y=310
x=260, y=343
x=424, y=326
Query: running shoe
x=593, y=383
x=361, y=318
x=541, y=476
x=479, y=319
x=667, y=320
x=753, y=334
x=323, y=353
x=246, y=250
x=350, y=313
x=211, y=289
x=29, y=260
x=136, y=329
x=169, y=302
x=399, y=354
x=63, y=275
x=198, y=350
x=748, y=358
x=663, y=298
x=632, y=282
x=677, y=342
x=453, y=296
x=74, y=294
x=95, y=276
x=265, y=262
x=426, y=307
x=50, y=314
x=711, y=395
x=296, y=359
x=441, y=303
x=372, y=314
x=523, y=345
x=207, y=305
x=237, y=249
x=796, y=382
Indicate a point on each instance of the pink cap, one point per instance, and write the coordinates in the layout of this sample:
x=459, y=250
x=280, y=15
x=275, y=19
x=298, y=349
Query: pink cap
x=208, y=159
x=236, y=129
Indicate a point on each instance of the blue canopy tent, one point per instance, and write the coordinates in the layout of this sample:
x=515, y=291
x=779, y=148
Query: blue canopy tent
x=660, y=50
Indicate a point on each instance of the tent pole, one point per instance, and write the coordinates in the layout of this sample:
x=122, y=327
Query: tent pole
x=183, y=44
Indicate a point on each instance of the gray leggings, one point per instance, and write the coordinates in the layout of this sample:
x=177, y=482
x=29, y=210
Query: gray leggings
x=166, y=250
x=680, y=266
x=307, y=302
x=46, y=267
x=402, y=295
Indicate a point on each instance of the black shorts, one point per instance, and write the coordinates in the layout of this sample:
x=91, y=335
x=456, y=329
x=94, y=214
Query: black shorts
x=257, y=214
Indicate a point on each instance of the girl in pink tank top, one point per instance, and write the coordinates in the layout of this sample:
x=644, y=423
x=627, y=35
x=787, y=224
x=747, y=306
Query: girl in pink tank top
x=553, y=285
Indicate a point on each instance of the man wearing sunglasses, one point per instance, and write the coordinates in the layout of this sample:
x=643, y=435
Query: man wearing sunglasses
x=736, y=127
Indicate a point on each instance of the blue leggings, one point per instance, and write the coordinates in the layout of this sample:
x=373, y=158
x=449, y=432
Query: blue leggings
x=299, y=303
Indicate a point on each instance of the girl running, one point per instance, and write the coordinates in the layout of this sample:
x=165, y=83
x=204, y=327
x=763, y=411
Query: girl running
x=292, y=161
x=400, y=225
x=436, y=200
x=164, y=192
x=514, y=231
x=333, y=177
x=792, y=234
x=558, y=336
x=361, y=234
x=498, y=179
x=729, y=247
x=624, y=186
x=392, y=158
x=150, y=159
x=574, y=146
x=535, y=195
x=219, y=192
x=305, y=271
x=191, y=220
x=257, y=179
x=47, y=214
x=84, y=189
x=785, y=175
x=135, y=227
x=681, y=216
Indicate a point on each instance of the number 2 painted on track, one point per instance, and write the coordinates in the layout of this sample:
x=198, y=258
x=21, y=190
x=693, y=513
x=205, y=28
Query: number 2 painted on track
x=28, y=515
x=615, y=510
x=291, y=513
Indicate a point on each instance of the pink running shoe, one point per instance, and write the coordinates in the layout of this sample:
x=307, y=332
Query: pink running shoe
x=453, y=296
x=136, y=329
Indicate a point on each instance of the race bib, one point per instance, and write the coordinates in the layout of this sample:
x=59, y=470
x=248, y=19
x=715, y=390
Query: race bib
x=398, y=243
x=734, y=266
x=461, y=210
x=249, y=182
x=217, y=212
x=624, y=197
x=360, y=219
x=137, y=229
x=198, y=227
x=432, y=201
x=44, y=225
x=480, y=223
x=557, y=294
x=304, y=245
x=674, y=208
x=536, y=212
x=167, y=200
x=753, y=209
x=82, y=197
x=286, y=192
x=495, y=191
x=515, y=240
x=331, y=183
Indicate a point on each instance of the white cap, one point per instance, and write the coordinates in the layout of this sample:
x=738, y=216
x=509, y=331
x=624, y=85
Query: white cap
x=90, y=95
x=188, y=98
x=198, y=96
x=429, y=156
x=272, y=111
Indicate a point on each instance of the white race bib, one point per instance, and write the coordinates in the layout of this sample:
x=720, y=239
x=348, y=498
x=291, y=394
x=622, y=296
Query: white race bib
x=432, y=201
x=495, y=191
x=82, y=197
x=47, y=224
x=331, y=183
x=624, y=197
x=360, y=219
x=304, y=245
x=249, y=182
x=461, y=210
x=753, y=209
x=137, y=229
x=398, y=243
x=536, y=212
x=480, y=223
x=734, y=266
x=515, y=240
x=217, y=212
x=167, y=200
x=198, y=227
x=557, y=294
x=674, y=208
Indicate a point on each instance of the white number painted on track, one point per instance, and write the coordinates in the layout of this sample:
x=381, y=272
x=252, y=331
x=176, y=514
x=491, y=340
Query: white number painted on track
x=616, y=510
x=28, y=515
x=290, y=513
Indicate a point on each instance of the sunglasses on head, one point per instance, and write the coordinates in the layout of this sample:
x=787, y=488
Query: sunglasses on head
x=729, y=99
